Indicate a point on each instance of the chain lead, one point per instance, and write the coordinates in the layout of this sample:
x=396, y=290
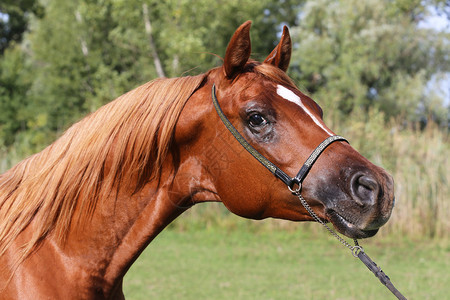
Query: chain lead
x=354, y=249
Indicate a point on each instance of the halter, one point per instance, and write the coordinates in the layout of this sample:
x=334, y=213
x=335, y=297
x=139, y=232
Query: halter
x=291, y=182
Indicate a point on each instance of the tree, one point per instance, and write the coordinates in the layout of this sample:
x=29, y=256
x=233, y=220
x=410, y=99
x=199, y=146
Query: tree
x=359, y=54
x=14, y=15
x=78, y=55
x=14, y=84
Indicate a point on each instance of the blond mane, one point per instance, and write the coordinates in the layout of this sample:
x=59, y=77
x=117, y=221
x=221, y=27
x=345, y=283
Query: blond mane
x=127, y=138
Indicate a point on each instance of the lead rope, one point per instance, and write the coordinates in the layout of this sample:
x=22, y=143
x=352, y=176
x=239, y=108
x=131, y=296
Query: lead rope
x=356, y=250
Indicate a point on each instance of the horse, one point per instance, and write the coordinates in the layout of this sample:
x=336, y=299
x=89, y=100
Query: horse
x=75, y=216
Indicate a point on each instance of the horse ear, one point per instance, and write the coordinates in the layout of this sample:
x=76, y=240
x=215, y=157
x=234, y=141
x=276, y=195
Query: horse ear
x=238, y=50
x=281, y=55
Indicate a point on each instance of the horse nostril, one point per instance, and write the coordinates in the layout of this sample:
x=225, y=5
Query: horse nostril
x=364, y=189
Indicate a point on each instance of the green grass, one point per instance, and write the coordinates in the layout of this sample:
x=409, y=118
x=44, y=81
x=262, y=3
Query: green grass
x=248, y=263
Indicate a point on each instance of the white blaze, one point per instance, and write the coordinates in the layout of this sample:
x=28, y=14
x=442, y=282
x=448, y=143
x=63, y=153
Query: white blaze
x=290, y=96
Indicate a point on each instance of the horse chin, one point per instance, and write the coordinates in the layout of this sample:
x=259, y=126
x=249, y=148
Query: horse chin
x=347, y=228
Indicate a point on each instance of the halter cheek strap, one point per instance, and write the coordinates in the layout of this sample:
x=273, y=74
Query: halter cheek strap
x=291, y=182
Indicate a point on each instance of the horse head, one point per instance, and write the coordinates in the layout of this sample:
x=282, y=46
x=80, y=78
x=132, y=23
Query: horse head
x=134, y=165
x=284, y=125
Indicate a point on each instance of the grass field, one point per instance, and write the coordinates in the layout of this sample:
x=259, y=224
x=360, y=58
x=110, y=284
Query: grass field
x=244, y=262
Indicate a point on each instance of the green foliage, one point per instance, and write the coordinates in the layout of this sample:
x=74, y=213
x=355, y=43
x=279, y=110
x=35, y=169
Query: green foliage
x=360, y=54
x=13, y=88
x=14, y=16
x=82, y=54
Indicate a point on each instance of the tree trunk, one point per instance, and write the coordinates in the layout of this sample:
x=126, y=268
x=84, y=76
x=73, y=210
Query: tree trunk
x=148, y=30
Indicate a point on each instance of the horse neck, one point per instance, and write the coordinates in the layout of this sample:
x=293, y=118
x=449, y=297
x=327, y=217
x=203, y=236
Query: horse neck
x=127, y=224
x=100, y=251
x=139, y=219
x=96, y=255
x=123, y=226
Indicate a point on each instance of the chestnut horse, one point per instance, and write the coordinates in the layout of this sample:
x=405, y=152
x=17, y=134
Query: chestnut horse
x=74, y=217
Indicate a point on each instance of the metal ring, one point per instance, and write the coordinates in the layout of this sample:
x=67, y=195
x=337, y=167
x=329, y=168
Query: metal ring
x=297, y=190
x=356, y=250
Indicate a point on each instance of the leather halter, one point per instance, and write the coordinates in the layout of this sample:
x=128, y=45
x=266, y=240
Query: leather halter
x=291, y=182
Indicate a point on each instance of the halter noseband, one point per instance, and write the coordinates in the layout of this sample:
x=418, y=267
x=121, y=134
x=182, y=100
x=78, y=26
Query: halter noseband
x=291, y=182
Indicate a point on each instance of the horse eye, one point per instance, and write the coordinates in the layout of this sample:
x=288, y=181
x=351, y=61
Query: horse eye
x=257, y=120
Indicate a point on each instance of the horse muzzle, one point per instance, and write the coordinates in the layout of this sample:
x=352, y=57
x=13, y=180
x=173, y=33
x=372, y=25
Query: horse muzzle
x=363, y=206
